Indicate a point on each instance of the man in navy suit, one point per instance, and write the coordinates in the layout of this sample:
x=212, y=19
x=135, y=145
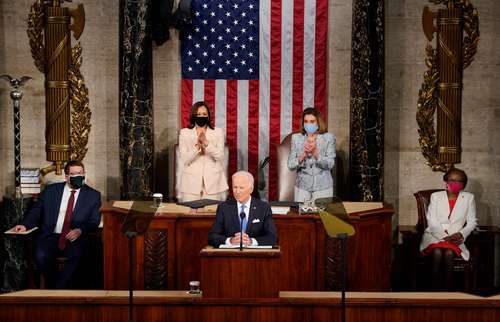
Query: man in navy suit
x=65, y=213
x=255, y=216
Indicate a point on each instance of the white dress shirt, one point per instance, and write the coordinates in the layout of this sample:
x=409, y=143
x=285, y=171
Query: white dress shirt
x=247, y=217
x=64, y=205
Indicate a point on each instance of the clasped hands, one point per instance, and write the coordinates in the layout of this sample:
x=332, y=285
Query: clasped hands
x=310, y=148
x=456, y=238
x=71, y=236
x=235, y=240
x=202, y=142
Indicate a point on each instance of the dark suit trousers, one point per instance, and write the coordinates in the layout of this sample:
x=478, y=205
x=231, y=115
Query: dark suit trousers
x=46, y=251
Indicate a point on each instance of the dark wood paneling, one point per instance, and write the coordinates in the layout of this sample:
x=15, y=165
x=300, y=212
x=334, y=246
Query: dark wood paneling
x=81, y=306
x=240, y=274
x=305, y=264
x=115, y=251
x=369, y=255
x=191, y=236
x=297, y=239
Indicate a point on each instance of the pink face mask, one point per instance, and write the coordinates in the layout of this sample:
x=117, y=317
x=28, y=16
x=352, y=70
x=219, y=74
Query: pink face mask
x=454, y=187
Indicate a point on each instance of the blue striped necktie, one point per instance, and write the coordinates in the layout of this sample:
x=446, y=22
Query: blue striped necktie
x=243, y=221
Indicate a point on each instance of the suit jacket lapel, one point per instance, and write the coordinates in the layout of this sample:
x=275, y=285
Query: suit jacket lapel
x=443, y=205
x=79, y=202
x=251, y=215
x=57, y=202
x=236, y=217
x=458, y=205
x=209, y=133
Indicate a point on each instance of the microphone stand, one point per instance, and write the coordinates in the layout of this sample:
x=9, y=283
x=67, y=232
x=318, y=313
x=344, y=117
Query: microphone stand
x=242, y=217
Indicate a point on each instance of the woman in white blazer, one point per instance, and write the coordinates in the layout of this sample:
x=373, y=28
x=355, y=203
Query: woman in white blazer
x=201, y=148
x=451, y=217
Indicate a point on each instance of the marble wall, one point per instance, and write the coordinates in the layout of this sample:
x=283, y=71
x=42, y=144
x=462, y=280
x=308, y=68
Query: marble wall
x=100, y=70
x=405, y=169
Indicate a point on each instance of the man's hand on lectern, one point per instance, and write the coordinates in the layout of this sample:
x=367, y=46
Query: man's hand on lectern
x=235, y=240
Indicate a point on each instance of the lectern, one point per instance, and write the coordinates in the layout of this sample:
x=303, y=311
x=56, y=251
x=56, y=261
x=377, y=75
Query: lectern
x=231, y=273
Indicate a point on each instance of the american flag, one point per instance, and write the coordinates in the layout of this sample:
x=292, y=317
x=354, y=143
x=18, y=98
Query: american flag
x=258, y=64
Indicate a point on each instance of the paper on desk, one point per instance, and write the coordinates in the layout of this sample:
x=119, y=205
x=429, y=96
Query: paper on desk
x=209, y=208
x=165, y=207
x=249, y=247
x=280, y=210
x=12, y=232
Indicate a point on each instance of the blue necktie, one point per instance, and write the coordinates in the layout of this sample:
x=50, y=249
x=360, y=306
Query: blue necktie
x=243, y=218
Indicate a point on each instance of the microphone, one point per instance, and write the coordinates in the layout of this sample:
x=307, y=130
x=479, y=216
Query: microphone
x=242, y=217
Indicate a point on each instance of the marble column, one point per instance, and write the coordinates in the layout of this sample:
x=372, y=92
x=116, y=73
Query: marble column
x=367, y=101
x=16, y=267
x=136, y=99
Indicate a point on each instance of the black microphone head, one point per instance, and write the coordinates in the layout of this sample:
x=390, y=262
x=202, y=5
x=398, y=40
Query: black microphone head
x=242, y=215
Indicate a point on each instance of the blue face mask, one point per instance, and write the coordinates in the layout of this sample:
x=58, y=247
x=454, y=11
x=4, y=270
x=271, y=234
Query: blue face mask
x=311, y=128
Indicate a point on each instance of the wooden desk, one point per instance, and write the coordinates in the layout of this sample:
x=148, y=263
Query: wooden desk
x=167, y=256
x=159, y=306
x=231, y=273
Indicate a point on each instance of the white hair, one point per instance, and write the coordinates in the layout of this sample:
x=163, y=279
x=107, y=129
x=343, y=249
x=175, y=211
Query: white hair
x=243, y=173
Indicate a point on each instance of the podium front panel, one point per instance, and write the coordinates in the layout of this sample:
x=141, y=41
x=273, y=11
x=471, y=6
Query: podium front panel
x=309, y=260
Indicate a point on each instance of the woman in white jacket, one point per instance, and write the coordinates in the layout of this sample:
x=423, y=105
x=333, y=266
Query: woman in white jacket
x=451, y=217
x=201, y=148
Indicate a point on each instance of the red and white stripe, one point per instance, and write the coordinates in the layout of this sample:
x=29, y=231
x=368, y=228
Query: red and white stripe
x=258, y=114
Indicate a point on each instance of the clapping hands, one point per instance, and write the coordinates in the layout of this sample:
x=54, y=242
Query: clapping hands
x=310, y=148
x=202, y=141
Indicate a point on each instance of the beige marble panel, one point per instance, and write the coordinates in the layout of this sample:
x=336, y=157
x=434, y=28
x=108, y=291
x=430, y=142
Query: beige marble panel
x=339, y=78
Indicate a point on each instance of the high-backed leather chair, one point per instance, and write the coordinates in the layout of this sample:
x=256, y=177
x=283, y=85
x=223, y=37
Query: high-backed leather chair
x=460, y=265
x=286, y=177
x=176, y=167
x=423, y=198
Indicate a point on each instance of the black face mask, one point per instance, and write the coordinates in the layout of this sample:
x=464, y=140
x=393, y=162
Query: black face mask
x=201, y=121
x=77, y=181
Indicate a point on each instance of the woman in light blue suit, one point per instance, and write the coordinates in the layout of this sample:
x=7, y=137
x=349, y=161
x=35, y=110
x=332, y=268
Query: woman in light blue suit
x=312, y=155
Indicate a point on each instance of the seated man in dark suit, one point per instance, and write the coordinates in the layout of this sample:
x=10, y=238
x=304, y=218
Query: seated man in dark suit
x=258, y=225
x=64, y=213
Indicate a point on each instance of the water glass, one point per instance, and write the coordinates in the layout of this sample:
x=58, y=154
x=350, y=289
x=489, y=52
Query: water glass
x=157, y=199
x=194, y=287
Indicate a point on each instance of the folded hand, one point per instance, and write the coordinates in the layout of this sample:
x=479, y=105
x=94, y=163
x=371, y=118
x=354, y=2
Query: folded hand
x=73, y=234
x=456, y=238
x=235, y=240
